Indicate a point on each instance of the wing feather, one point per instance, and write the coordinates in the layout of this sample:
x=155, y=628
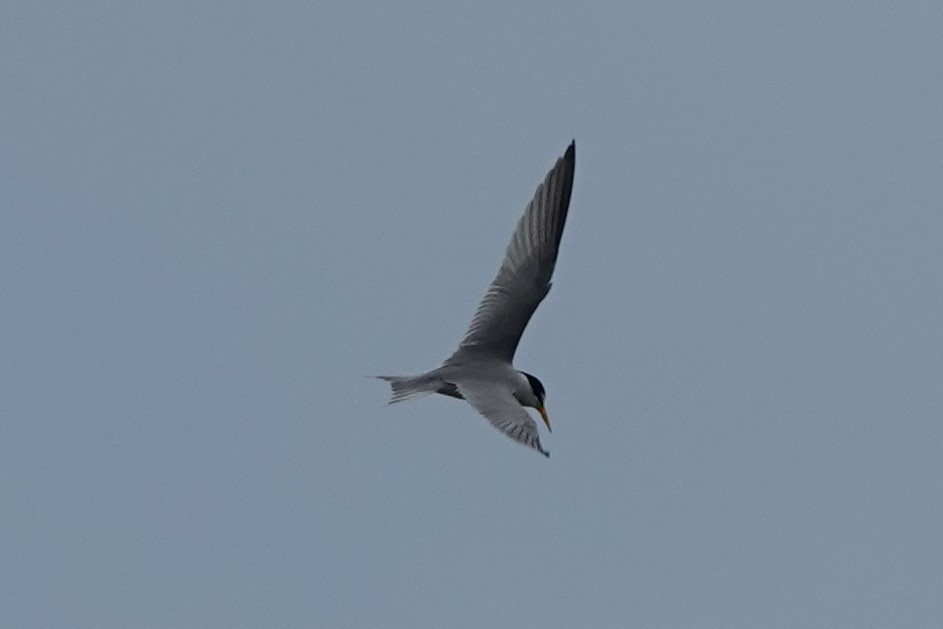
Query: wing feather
x=505, y=413
x=524, y=277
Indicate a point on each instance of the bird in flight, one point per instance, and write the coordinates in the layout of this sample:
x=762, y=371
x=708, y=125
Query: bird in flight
x=481, y=370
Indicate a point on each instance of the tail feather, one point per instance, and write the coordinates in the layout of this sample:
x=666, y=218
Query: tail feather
x=409, y=387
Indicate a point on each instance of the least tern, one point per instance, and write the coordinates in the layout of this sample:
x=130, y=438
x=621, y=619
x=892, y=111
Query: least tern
x=481, y=369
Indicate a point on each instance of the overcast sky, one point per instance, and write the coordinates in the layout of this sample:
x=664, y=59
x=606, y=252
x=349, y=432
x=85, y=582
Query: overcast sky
x=216, y=218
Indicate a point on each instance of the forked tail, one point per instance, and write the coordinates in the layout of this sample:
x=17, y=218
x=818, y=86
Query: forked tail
x=409, y=387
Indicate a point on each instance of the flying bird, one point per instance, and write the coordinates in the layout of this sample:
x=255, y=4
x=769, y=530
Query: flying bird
x=481, y=370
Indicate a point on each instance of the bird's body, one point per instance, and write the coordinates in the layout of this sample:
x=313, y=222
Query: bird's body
x=481, y=371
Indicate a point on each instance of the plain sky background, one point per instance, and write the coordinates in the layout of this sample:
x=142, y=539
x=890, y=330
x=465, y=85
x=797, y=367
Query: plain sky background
x=216, y=218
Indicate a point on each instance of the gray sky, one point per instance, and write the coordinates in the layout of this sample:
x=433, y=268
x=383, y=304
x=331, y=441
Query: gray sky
x=217, y=218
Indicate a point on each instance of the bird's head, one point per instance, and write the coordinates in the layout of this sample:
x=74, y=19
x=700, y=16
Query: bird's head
x=536, y=398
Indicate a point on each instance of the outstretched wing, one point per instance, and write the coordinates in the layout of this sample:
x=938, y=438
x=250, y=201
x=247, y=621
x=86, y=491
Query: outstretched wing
x=524, y=278
x=505, y=413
